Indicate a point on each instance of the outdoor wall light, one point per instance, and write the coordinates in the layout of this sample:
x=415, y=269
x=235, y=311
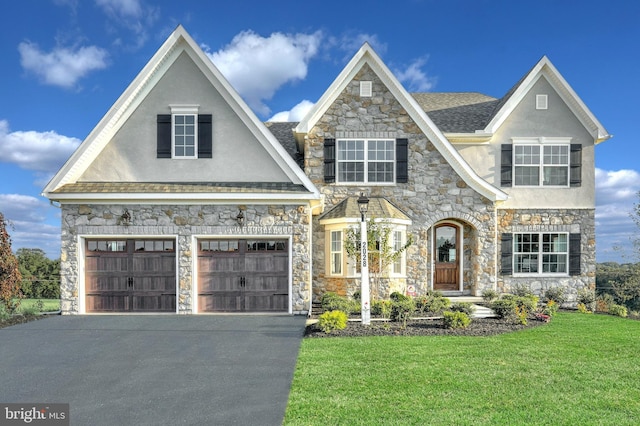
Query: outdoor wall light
x=240, y=218
x=125, y=218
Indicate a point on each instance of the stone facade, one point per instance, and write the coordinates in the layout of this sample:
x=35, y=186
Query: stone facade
x=184, y=222
x=573, y=221
x=434, y=192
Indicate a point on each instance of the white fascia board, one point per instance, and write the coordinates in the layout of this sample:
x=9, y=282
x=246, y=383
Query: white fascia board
x=164, y=198
x=545, y=68
x=119, y=112
x=367, y=55
x=179, y=41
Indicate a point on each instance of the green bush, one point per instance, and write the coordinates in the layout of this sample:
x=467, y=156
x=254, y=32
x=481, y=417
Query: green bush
x=4, y=313
x=489, y=295
x=587, y=298
x=522, y=290
x=466, y=307
x=455, y=319
x=618, y=310
x=557, y=294
x=402, y=309
x=333, y=302
x=433, y=302
x=397, y=296
x=515, y=308
x=551, y=308
x=381, y=308
x=332, y=320
x=604, y=302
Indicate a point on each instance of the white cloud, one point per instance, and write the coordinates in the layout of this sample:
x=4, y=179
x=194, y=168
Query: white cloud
x=27, y=215
x=616, y=194
x=414, y=78
x=134, y=15
x=351, y=43
x=258, y=66
x=62, y=66
x=296, y=113
x=43, y=152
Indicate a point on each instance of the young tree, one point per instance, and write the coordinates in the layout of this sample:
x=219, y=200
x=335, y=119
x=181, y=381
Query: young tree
x=9, y=273
x=381, y=250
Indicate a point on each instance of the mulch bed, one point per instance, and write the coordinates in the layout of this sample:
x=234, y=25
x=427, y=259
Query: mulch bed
x=424, y=327
x=19, y=319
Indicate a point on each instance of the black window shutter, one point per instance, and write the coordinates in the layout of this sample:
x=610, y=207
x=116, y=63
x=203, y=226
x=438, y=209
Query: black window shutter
x=506, y=169
x=575, y=177
x=402, y=157
x=506, y=264
x=205, y=136
x=164, y=136
x=329, y=160
x=574, y=254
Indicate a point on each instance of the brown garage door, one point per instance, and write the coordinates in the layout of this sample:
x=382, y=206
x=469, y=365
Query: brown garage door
x=243, y=276
x=130, y=275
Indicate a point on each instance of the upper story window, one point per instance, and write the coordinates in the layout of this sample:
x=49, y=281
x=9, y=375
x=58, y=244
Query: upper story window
x=184, y=133
x=366, y=161
x=541, y=165
x=184, y=136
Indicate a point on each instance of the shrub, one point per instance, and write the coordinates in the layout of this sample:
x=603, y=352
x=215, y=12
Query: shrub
x=333, y=302
x=582, y=308
x=455, y=319
x=402, y=309
x=433, y=302
x=332, y=320
x=515, y=308
x=4, y=312
x=557, y=294
x=521, y=290
x=603, y=302
x=381, y=308
x=551, y=308
x=397, y=296
x=465, y=307
x=618, y=310
x=587, y=298
x=489, y=295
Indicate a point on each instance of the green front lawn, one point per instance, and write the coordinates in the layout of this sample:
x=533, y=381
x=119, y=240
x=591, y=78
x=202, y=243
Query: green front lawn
x=49, y=305
x=578, y=370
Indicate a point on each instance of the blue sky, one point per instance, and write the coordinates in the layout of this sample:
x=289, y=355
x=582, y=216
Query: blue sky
x=65, y=62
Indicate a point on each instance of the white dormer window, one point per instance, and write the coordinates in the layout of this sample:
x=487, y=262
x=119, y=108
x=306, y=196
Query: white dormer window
x=542, y=102
x=366, y=89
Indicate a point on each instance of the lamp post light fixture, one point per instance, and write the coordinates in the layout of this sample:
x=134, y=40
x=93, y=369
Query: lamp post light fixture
x=363, y=205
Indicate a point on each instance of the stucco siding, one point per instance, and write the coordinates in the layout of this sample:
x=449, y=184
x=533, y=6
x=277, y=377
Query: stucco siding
x=131, y=155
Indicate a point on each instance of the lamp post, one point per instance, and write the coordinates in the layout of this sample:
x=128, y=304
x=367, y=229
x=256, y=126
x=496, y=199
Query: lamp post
x=363, y=205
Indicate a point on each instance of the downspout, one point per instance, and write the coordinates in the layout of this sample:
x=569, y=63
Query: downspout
x=310, y=253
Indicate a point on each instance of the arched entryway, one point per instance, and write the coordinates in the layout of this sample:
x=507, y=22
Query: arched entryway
x=447, y=256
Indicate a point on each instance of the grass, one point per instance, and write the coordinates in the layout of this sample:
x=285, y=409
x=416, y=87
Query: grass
x=578, y=370
x=49, y=305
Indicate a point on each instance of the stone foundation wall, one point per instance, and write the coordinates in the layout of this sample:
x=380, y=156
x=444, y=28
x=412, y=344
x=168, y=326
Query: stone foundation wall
x=184, y=222
x=580, y=221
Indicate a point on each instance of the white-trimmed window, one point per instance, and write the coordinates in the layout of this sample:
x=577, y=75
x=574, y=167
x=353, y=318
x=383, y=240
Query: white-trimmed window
x=336, y=252
x=339, y=263
x=366, y=160
x=541, y=164
x=184, y=131
x=540, y=253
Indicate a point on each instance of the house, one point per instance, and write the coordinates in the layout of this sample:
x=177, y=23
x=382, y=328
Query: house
x=181, y=200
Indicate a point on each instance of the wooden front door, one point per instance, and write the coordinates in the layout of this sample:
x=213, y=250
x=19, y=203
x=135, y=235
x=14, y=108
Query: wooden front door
x=130, y=275
x=447, y=258
x=243, y=276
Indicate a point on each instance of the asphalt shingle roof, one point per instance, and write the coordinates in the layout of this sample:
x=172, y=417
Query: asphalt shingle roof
x=463, y=112
x=379, y=208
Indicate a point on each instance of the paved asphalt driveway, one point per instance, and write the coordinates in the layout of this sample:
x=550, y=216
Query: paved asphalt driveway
x=154, y=370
